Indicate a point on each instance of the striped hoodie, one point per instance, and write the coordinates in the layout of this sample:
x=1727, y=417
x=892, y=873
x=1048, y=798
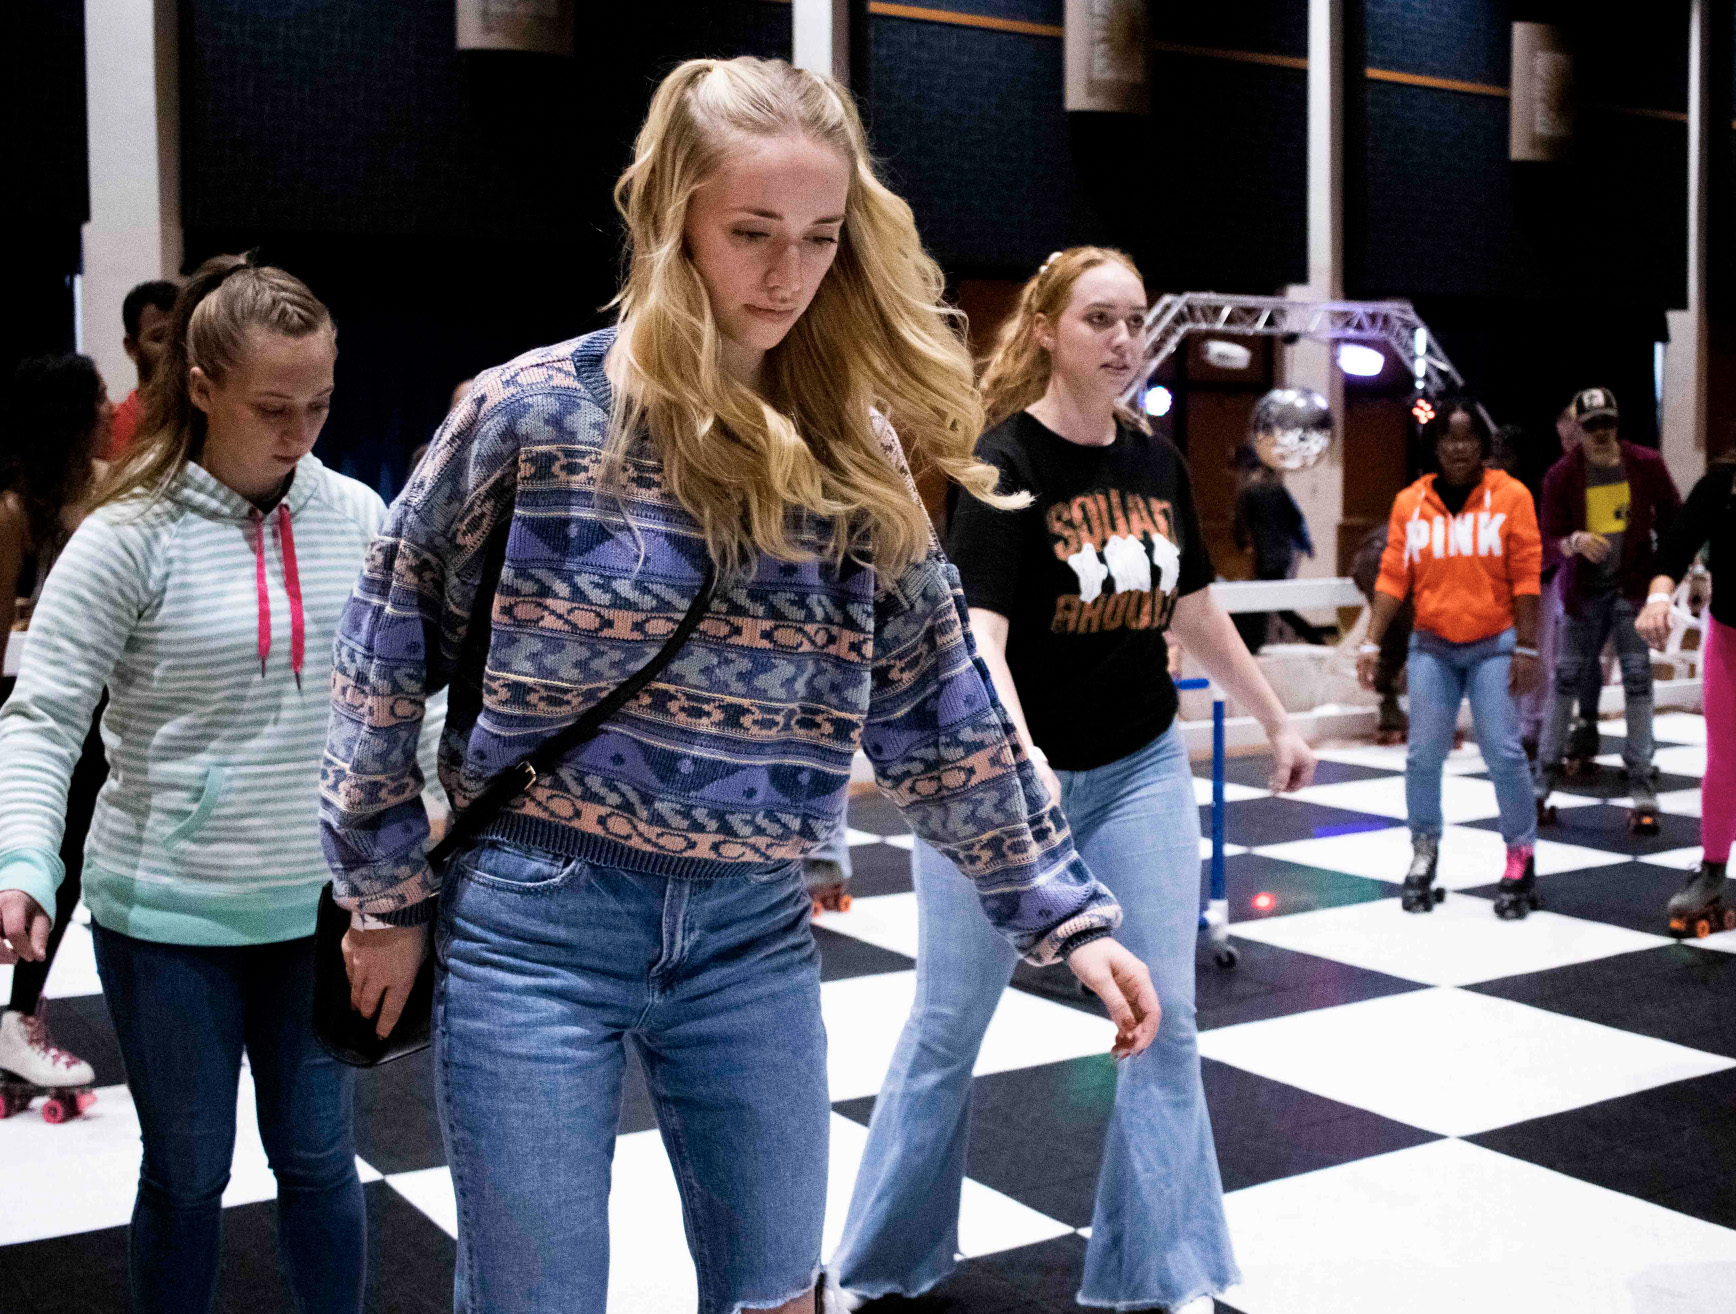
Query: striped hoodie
x=737, y=756
x=206, y=831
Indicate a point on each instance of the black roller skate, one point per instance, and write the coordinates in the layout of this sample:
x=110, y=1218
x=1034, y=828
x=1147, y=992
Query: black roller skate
x=1643, y=815
x=1518, y=893
x=1420, y=894
x=1546, y=813
x=1583, y=744
x=1702, y=906
x=1393, y=726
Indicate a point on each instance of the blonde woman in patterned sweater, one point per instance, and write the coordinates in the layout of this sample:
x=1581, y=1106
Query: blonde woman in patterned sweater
x=648, y=890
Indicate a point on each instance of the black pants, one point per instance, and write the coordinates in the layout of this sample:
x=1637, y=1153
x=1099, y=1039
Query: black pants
x=87, y=777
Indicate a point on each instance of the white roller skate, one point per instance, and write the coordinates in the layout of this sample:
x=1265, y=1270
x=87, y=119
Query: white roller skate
x=31, y=1064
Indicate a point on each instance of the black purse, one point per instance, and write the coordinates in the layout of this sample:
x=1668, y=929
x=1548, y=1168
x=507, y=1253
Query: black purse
x=342, y=1031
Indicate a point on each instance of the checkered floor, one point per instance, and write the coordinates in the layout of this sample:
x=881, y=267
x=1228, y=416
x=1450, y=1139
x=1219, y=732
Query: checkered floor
x=1439, y=1113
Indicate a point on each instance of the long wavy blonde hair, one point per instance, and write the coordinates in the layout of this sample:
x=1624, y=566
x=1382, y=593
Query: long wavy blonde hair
x=1016, y=372
x=876, y=338
x=226, y=298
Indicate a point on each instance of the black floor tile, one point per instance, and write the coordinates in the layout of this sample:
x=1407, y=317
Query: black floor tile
x=1604, y=827
x=397, y=1127
x=873, y=811
x=1674, y=1145
x=1039, y=1279
x=844, y=956
x=879, y=869
x=1675, y=992
x=1257, y=821
x=1258, y=887
x=81, y=1025
x=1271, y=982
x=1255, y=769
x=1632, y=894
x=409, y=1265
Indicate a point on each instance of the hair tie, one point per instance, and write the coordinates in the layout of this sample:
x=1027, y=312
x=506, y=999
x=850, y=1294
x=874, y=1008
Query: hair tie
x=1044, y=267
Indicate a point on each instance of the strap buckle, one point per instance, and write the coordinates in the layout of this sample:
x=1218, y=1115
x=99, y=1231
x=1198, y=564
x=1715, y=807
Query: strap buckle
x=527, y=776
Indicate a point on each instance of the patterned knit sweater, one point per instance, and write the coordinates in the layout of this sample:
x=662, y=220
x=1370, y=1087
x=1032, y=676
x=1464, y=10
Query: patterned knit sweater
x=736, y=757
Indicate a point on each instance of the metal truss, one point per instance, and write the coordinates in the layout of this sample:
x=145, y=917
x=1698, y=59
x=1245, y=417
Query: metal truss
x=1392, y=323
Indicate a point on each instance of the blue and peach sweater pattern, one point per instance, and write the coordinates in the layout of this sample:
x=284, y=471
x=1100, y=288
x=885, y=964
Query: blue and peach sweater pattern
x=737, y=756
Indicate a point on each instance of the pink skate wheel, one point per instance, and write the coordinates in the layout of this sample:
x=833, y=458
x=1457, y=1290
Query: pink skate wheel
x=54, y=1111
x=86, y=1098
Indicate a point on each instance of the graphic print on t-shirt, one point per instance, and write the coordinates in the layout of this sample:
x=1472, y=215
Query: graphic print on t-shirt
x=1128, y=539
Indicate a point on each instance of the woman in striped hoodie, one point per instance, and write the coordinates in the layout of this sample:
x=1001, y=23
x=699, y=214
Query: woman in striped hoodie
x=204, y=590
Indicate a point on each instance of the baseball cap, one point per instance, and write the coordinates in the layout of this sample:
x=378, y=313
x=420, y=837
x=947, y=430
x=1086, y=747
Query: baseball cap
x=1593, y=404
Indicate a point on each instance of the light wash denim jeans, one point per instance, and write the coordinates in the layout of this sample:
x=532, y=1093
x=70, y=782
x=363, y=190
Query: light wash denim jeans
x=1158, y=1235
x=1600, y=617
x=548, y=967
x=1442, y=675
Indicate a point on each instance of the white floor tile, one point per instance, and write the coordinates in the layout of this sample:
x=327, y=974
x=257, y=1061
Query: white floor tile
x=887, y=920
x=1680, y=859
x=650, y=1269
x=1681, y=760
x=1470, y=856
x=74, y=970
x=81, y=1175
x=1460, y=943
x=1462, y=761
x=854, y=837
x=1675, y=802
x=1230, y=850
x=1462, y=799
x=865, y=1014
x=1233, y=793
x=1448, y=1227
x=1454, y=1062
x=1677, y=728
x=906, y=841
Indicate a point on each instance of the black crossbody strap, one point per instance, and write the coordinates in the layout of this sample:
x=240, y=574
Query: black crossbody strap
x=512, y=782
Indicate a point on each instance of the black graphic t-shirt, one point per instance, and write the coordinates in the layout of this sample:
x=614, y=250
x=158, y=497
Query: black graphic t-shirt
x=1087, y=576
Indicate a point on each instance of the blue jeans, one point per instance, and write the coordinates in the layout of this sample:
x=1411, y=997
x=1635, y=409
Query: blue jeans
x=183, y=1016
x=1158, y=1235
x=1442, y=675
x=548, y=966
x=1601, y=616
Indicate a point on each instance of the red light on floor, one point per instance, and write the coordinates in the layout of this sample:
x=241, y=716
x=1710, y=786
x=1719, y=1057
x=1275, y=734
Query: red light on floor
x=1264, y=902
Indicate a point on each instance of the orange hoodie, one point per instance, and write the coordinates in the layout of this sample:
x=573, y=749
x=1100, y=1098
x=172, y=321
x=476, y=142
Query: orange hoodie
x=1463, y=571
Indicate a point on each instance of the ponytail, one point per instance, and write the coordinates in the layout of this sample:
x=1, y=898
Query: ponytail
x=1016, y=373
x=226, y=298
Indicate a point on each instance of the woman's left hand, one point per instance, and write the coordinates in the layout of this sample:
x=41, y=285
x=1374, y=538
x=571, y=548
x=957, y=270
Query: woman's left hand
x=1292, y=762
x=1524, y=674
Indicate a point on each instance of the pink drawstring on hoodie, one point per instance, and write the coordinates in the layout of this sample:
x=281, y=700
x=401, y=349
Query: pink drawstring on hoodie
x=291, y=584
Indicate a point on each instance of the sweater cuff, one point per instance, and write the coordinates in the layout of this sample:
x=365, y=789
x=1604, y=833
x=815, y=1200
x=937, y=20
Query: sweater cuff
x=1082, y=939
x=416, y=914
x=35, y=871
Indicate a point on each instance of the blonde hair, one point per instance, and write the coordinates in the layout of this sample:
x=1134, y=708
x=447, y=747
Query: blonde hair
x=1016, y=372
x=875, y=338
x=226, y=298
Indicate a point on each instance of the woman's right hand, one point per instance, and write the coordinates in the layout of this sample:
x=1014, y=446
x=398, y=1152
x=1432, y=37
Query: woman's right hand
x=1367, y=667
x=1653, y=623
x=382, y=967
x=1593, y=547
x=24, y=927
x=1112, y=973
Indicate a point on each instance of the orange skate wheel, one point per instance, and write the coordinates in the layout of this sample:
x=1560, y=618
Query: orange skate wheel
x=844, y=902
x=1702, y=928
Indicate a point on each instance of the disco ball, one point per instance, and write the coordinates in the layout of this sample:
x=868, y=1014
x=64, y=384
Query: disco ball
x=1291, y=428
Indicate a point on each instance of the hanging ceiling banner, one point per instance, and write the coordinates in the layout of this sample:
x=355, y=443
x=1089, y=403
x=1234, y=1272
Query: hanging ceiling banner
x=1107, y=56
x=539, y=26
x=1542, y=105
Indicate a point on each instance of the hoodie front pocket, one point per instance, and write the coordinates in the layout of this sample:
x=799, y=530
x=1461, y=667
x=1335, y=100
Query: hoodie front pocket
x=216, y=784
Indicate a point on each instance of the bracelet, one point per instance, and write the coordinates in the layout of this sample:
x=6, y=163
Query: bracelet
x=1524, y=652
x=1664, y=598
x=1368, y=648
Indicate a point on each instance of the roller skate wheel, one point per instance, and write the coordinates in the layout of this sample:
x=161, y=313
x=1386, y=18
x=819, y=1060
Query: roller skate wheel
x=13, y=1100
x=55, y=1110
x=844, y=902
x=1702, y=928
x=1227, y=957
x=1729, y=919
x=86, y=1098
x=1440, y=896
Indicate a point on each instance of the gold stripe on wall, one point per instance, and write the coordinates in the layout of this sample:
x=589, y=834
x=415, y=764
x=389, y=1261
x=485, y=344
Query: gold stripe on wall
x=1240, y=56
x=952, y=17
x=1436, y=84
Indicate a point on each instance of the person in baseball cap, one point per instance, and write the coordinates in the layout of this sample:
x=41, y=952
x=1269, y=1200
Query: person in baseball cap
x=1590, y=404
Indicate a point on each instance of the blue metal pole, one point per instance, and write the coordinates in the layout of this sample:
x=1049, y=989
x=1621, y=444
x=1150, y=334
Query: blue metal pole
x=1218, y=799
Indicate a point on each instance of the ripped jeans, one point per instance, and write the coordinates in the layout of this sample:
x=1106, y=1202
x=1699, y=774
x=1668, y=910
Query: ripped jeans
x=549, y=966
x=1600, y=617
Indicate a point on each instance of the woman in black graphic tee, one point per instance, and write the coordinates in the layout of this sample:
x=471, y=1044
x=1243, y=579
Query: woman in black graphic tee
x=1069, y=600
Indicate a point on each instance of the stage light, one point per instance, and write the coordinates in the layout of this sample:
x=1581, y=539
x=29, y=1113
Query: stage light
x=1264, y=902
x=1158, y=400
x=1423, y=409
x=1364, y=362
